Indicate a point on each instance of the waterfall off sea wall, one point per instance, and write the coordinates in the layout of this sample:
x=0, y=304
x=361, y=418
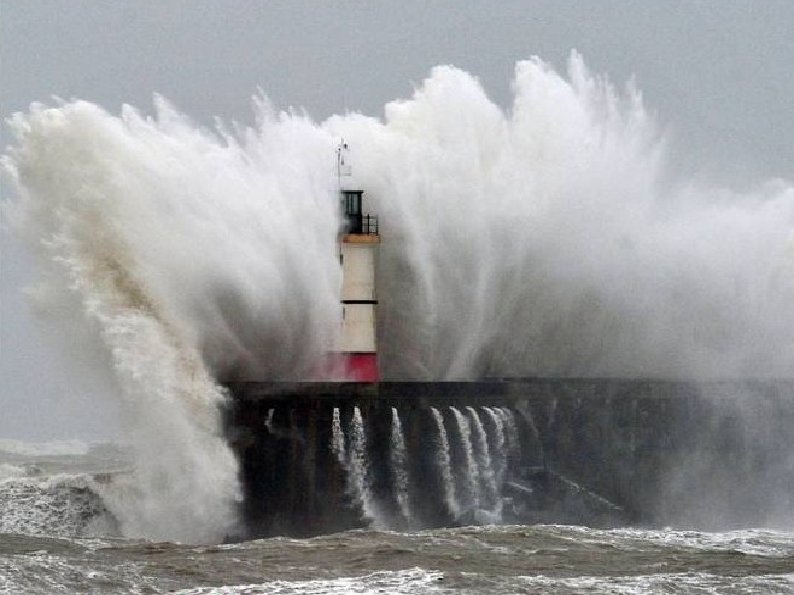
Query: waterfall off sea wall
x=595, y=452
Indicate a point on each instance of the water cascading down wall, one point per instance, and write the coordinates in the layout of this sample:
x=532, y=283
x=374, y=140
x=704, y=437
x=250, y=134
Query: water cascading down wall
x=407, y=455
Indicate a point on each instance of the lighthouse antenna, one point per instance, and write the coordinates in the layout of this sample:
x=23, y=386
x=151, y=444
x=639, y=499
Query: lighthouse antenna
x=341, y=168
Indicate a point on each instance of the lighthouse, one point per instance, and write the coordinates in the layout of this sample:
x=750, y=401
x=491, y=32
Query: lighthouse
x=359, y=240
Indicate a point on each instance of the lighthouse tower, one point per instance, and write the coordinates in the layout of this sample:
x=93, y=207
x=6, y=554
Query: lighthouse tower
x=358, y=243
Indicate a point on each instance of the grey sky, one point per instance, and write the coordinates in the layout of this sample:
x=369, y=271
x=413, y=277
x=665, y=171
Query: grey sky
x=718, y=74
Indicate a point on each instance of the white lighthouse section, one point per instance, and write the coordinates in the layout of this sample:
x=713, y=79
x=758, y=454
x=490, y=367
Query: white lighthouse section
x=356, y=354
x=358, y=293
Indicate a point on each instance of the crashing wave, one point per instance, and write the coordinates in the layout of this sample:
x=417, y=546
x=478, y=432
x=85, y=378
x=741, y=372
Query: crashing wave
x=540, y=240
x=57, y=506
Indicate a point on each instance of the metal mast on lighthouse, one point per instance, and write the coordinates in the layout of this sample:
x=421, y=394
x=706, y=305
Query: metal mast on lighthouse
x=358, y=244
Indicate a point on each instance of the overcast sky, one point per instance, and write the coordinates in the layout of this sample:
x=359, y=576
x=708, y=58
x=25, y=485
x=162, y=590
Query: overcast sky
x=718, y=74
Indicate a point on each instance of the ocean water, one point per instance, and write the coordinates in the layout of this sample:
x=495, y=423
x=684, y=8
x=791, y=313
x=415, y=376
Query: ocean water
x=58, y=535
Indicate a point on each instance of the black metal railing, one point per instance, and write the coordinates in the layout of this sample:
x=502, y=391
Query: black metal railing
x=369, y=225
x=362, y=224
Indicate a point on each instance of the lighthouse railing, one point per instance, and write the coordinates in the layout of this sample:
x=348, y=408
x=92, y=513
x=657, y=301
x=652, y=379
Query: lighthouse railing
x=369, y=225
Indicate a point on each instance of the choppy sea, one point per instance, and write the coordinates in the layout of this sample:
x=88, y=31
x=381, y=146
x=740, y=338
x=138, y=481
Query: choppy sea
x=57, y=536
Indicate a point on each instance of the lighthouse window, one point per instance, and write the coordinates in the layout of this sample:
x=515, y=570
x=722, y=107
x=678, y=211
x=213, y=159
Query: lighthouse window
x=352, y=203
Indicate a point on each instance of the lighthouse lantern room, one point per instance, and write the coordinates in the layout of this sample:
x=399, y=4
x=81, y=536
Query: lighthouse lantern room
x=358, y=244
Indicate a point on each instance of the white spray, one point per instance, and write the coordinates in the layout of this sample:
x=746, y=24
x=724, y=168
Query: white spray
x=177, y=246
x=543, y=240
x=548, y=239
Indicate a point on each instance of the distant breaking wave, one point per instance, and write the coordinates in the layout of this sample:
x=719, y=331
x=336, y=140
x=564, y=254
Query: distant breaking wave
x=53, y=448
x=542, y=240
x=56, y=506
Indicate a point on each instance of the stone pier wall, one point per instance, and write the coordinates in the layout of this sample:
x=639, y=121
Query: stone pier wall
x=711, y=455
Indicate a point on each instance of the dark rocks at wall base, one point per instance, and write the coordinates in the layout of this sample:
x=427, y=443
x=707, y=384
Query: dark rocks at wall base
x=598, y=452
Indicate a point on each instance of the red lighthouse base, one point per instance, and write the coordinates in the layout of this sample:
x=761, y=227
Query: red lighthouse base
x=350, y=367
x=360, y=367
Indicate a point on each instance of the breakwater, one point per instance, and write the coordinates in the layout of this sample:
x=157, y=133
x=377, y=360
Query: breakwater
x=322, y=457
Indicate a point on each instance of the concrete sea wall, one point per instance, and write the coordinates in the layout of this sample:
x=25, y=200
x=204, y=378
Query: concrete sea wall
x=586, y=451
